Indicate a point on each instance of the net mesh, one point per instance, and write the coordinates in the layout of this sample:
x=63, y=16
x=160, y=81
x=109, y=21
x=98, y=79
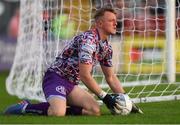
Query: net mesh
x=139, y=45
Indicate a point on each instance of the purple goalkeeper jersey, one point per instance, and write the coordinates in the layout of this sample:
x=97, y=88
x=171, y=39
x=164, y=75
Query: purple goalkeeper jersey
x=85, y=48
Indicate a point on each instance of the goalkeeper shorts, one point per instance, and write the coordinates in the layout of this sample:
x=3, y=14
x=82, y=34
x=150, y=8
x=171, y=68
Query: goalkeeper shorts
x=56, y=86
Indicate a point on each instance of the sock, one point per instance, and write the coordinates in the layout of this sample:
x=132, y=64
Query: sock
x=39, y=109
x=74, y=110
x=42, y=109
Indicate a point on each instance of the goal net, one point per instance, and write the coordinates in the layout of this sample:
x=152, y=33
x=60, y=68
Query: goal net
x=146, y=46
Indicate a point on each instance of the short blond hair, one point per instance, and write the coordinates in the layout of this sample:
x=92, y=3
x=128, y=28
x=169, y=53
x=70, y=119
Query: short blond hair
x=99, y=13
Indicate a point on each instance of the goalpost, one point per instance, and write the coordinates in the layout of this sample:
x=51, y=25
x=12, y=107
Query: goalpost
x=146, y=47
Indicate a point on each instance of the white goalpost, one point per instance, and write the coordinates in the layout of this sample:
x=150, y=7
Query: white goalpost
x=146, y=46
x=170, y=33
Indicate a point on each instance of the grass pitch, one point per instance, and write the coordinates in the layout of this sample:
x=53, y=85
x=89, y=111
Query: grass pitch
x=154, y=113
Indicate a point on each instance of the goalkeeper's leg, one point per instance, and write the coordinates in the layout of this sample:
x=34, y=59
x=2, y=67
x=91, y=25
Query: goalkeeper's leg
x=81, y=103
x=58, y=93
x=81, y=98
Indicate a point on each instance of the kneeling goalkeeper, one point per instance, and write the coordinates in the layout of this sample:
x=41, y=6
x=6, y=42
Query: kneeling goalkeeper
x=75, y=63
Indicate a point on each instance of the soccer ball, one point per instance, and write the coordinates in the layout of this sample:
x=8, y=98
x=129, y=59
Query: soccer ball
x=125, y=104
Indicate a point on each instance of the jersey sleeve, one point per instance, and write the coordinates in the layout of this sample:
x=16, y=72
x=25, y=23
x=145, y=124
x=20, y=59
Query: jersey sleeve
x=86, y=50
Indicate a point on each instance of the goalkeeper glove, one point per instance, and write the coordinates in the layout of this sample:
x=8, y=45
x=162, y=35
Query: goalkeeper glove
x=111, y=103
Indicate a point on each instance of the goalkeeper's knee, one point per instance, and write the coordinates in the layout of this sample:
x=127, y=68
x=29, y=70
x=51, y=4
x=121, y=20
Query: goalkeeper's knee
x=95, y=111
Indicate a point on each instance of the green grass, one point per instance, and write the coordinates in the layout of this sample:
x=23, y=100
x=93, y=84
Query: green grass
x=154, y=113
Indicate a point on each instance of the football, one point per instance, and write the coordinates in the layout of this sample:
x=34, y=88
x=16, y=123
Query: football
x=124, y=103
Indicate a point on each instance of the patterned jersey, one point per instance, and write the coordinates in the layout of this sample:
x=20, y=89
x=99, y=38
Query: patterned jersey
x=85, y=48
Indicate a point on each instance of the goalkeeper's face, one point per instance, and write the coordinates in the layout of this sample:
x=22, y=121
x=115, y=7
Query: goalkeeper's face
x=109, y=23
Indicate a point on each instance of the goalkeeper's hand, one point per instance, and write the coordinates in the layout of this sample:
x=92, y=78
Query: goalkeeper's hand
x=111, y=103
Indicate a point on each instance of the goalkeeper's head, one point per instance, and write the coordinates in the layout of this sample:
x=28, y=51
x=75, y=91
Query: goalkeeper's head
x=106, y=21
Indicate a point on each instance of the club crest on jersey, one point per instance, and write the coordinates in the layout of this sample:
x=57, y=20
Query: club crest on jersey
x=61, y=90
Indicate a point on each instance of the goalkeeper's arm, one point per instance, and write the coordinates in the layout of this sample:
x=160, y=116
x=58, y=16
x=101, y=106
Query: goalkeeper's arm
x=87, y=79
x=116, y=86
x=91, y=84
x=112, y=80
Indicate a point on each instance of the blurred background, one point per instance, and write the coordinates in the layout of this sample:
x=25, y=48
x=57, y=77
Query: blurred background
x=44, y=26
x=144, y=18
x=9, y=20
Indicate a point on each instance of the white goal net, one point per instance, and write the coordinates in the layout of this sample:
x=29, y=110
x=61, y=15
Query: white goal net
x=146, y=46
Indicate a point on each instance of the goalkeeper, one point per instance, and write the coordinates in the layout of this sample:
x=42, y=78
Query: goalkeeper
x=75, y=63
